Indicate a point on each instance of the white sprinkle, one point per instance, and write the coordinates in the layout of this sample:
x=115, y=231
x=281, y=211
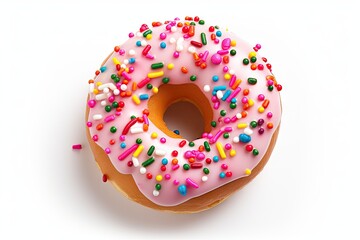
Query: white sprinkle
x=103, y=103
x=107, y=85
x=126, y=61
x=179, y=48
x=101, y=96
x=173, y=29
x=191, y=49
x=160, y=152
x=232, y=71
x=139, y=34
x=123, y=65
x=236, y=139
x=106, y=90
x=238, y=116
x=91, y=87
x=132, y=52
x=135, y=161
x=123, y=87
x=179, y=44
x=156, y=193
x=116, y=92
x=206, y=88
x=144, y=43
x=142, y=170
x=97, y=116
x=172, y=40
x=219, y=94
x=136, y=130
x=204, y=178
x=248, y=131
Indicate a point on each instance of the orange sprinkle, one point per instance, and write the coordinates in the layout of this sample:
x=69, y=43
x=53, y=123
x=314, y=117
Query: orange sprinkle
x=236, y=84
x=118, y=109
x=125, y=81
x=246, y=106
x=128, y=93
x=179, y=24
x=265, y=104
x=146, y=112
x=99, y=126
x=201, y=148
x=226, y=59
x=91, y=81
x=253, y=66
x=270, y=125
x=134, y=86
x=246, y=92
x=191, y=160
x=122, y=94
x=145, y=127
x=203, y=65
x=184, y=70
x=174, y=161
x=243, y=114
x=196, y=56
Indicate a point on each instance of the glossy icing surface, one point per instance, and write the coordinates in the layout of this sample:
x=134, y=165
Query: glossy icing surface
x=235, y=80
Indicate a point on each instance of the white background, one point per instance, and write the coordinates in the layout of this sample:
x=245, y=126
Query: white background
x=308, y=190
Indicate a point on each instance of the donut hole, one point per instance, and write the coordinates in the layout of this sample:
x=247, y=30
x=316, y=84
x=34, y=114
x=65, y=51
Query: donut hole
x=181, y=107
x=184, y=119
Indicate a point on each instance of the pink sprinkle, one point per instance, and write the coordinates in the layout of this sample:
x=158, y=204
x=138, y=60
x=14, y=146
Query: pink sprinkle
x=146, y=120
x=131, y=35
x=162, y=36
x=222, y=52
x=244, y=100
x=261, y=97
x=127, y=152
x=107, y=150
x=191, y=183
x=122, y=52
x=216, y=59
x=258, y=46
x=163, y=140
x=228, y=146
x=227, y=120
x=91, y=103
x=224, y=166
x=89, y=124
x=126, y=75
x=216, y=41
x=95, y=137
x=111, y=98
x=122, y=138
x=131, y=69
x=204, y=135
x=269, y=114
x=167, y=176
x=228, y=129
x=176, y=166
x=205, y=55
x=225, y=69
x=200, y=156
x=233, y=94
x=143, y=82
x=77, y=146
x=109, y=118
x=270, y=82
x=216, y=105
x=176, y=182
x=176, y=54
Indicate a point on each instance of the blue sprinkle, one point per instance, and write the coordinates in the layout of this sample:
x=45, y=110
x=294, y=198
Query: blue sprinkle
x=163, y=45
x=164, y=161
x=234, y=100
x=226, y=95
x=215, y=158
x=144, y=97
x=123, y=145
x=131, y=60
x=103, y=69
x=177, y=132
x=182, y=190
x=218, y=33
x=244, y=138
x=222, y=175
x=218, y=88
x=215, y=78
x=138, y=43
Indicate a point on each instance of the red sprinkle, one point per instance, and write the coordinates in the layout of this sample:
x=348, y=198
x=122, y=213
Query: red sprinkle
x=104, y=178
x=77, y=146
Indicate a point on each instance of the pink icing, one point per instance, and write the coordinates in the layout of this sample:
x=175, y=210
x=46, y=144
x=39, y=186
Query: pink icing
x=174, y=48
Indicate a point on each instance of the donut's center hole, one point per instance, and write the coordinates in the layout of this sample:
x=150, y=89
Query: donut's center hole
x=184, y=119
x=181, y=111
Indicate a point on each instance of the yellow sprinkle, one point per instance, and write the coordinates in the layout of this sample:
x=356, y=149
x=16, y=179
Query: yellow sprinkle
x=220, y=149
x=155, y=90
x=233, y=43
x=149, y=36
x=252, y=54
x=158, y=178
x=170, y=66
x=138, y=150
x=136, y=99
x=251, y=102
x=116, y=61
x=96, y=91
x=261, y=109
x=187, y=23
x=236, y=84
x=242, y=125
x=227, y=76
x=98, y=83
x=247, y=171
x=127, y=70
x=154, y=135
x=155, y=74
x=232, y=152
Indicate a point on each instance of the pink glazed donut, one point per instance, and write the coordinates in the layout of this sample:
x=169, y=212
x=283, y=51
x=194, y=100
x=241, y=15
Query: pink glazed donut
x=182, y=61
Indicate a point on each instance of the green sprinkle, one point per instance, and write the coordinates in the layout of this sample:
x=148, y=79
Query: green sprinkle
x=253, y=59
x=252, y=81
x=232, y=105
x=253, y=124
x=232, y=52
x=113, y=76
x=166, y=80
x=206, y=170
x=201, y=22
x=246, y=61
x=226, y=135
x=149, y=86
x=113, y=129
x=115, y=104
x=107, y=108
x=138, y=140
x=213, y=123
x=157, y=65
x=147, y=32
x=203, y=38
x=186, y=166
x=117, y=79
x=270, y=88
x=193, y=78
x=151, y=150
x=207, y=146
x=223, y=113
x=255, y=152
x=158, y=186
x=193, y=23
x=148, y=162
x=191, y=144
x=132, y=117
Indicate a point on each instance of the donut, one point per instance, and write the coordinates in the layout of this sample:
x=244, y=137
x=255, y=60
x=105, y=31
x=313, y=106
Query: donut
x=182, y=61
